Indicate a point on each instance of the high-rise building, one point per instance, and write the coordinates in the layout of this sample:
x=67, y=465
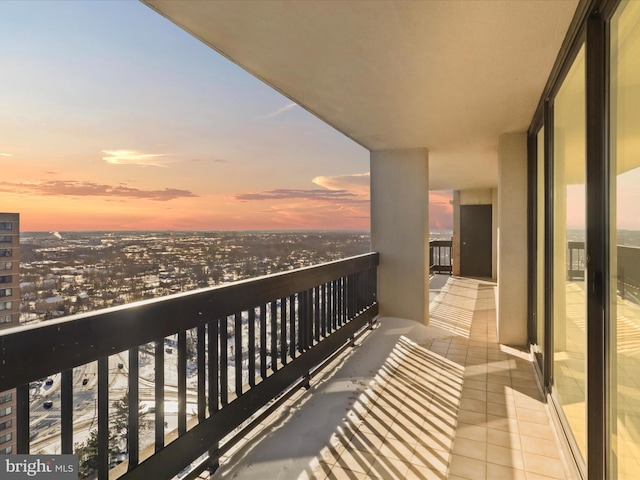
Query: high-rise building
x=9, y=314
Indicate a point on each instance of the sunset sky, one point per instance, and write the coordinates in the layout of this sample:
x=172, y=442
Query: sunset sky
x=112, y=118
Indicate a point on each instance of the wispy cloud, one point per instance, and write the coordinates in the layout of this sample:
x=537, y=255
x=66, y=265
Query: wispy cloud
x=358, y=183
x=2, y=154
x=90, y=189
x=131, y=157
x=209, y=160
x=279, y=111
x=289, y=194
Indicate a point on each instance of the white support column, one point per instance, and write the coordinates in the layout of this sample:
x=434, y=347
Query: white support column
x=400, y=231
x=512, y=239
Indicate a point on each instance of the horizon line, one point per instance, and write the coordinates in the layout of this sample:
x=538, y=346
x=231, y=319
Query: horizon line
x=212, y=230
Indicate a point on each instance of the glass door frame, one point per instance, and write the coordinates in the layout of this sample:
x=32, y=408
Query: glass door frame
x=590, y=27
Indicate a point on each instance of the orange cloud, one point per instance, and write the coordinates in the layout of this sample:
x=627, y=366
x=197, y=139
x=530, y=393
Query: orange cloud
x=91, y=189
x=288, y=194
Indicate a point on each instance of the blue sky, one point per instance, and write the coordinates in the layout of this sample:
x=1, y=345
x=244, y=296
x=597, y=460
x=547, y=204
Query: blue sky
x=111, y=117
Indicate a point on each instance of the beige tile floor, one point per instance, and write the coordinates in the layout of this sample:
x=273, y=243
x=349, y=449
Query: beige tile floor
x=449, y=403
x=461, y=407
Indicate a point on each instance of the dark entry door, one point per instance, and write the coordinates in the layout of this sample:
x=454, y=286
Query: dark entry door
x=475, y=240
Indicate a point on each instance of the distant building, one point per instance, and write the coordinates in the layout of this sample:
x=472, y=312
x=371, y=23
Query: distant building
x=9, y=315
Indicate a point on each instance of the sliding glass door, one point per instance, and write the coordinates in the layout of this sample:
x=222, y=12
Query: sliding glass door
x=569, y=293
x=625, y=241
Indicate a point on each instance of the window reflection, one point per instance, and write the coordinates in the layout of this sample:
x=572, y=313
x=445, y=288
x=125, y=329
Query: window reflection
x=625, y=233
x=569, y=311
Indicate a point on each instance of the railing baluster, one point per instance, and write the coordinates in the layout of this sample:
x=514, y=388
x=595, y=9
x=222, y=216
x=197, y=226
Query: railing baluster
x=357, y=280
x=224, y=361
x=365, y=294
x=352, y=295
x=201, y=359
x=293, y=307
x=66, y=411
x=363, y=291
x=159, y=394
x=337, y=305
x=330, y=308
x=373, y=285
x=284, y=345
x=323, y=309
x=22, y=419
x=334, y=305
x=316, y=313
x=103, y=418
x=302, y=322
x=213, y=331
x=309, y=319
x=343, y=291
x=251, y=346
x=343, y=301
x=133, y=420
x=357, y=284
x=238, y=352
x=346, y=308
x=214, y=393
x=274, y=336
x=182, y=382
x=263, y=341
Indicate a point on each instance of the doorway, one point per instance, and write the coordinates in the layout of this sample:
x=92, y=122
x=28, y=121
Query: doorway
x=476, y=241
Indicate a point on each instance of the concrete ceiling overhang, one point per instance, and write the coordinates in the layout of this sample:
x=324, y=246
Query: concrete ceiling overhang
x=449, y=76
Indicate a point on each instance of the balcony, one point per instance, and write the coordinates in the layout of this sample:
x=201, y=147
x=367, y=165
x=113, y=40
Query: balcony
x=397, y=399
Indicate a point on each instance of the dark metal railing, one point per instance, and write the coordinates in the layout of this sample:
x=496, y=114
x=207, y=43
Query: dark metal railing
x=628, y=269
x=575, y=261
x=440, y=256
x=629, y=273
x=267, y=333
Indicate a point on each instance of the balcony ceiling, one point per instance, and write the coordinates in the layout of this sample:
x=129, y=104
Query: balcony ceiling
x=449, y=76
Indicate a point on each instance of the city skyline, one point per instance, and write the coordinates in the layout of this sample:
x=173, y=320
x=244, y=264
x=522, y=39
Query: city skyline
x=112, y=118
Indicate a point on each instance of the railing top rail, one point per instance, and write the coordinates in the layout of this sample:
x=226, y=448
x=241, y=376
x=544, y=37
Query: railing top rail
x=58, y=345
x=630, y=247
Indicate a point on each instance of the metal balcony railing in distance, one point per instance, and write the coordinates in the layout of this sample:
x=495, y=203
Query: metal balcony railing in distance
x=575, y=260
x=440, y=256
x=253, y=340
x=627, y=269
x=628, y=285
